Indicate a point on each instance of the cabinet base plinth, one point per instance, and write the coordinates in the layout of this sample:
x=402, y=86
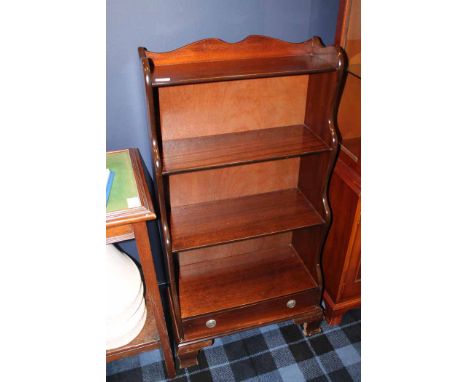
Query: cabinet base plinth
x=334, y=312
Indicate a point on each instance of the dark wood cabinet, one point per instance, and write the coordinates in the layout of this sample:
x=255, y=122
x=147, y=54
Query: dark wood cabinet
x=342, y=252
x=243, y=141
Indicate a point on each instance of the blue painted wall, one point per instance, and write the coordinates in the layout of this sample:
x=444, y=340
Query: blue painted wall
x=162, y=25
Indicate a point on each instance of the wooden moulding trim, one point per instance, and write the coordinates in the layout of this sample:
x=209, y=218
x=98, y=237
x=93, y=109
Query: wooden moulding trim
x=118, y=239
x=119, y=233
x=253, y=46
x=132, y=215
x=157, y=171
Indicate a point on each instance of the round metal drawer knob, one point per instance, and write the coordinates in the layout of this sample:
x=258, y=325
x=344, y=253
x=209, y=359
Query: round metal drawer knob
x=210, y=323
x=291, y=304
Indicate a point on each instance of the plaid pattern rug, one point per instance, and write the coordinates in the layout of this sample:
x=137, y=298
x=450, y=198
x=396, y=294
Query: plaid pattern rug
x=271, y=353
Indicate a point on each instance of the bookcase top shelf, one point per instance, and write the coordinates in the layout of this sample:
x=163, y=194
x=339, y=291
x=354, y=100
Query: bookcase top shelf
x=213, y=60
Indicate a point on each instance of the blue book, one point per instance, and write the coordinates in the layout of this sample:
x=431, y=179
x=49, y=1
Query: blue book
x=110, y=179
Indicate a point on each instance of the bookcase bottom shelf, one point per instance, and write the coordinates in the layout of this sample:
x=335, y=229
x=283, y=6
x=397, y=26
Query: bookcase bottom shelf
x=245, y=290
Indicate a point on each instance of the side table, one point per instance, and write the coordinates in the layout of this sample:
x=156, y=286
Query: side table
x=128, y=210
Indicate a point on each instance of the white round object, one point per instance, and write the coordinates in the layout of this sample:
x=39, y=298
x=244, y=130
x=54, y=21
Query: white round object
x=123, y=283
x=123, y=332
x=126, y=309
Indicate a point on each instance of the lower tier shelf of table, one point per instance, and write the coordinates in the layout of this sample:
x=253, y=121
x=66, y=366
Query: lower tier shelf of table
x=148, y=339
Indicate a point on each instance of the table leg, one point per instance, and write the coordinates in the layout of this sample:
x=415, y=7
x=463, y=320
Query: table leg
x=152, y=291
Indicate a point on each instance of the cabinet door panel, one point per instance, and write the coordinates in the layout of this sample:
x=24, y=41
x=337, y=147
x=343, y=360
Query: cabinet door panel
x=344, y=199
x=349, y=114
x=352, y=281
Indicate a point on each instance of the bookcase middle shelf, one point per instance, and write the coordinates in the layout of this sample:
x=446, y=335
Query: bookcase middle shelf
x=223, y=221
x=213, y=151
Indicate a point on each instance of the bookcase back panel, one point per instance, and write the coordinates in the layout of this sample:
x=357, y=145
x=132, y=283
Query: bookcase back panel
x=307, y=243
x=312, y=179
x=236, y=248
x=225, y=107
x=231, y=182
x=320, y=100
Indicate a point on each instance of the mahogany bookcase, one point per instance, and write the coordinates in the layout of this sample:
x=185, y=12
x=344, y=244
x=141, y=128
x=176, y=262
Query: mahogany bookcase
x=243, y=143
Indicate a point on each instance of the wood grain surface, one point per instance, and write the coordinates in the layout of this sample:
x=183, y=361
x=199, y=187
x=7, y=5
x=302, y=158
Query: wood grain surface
x=242, y=279
x=233, y=182
x=229, y=107
x=223, y=221
x=238, y=148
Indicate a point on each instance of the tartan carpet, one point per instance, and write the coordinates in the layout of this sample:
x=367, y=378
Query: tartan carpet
x=278, y=352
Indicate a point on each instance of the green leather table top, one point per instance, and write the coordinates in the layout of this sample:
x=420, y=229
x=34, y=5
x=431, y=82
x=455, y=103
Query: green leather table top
x=124, y=191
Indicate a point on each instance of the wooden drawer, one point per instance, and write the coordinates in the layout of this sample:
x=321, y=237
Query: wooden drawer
x=252, y=315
